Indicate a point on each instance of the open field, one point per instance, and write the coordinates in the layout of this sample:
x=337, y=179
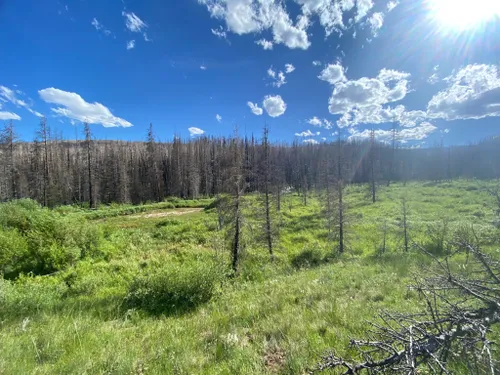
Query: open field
x=93, y=307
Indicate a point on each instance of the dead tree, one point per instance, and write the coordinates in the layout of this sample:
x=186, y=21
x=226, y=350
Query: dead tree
x=452, y=335
x=267, y=199
x=8, y=139
x=373, y=185
x=340, y=195
x=404, y=224
x=88, y=147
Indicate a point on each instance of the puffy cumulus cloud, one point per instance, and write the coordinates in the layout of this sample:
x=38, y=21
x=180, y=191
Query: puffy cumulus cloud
x=416, y=133
x=315, y=121
x=274, y=105
x=218, y=118
x=194, y=132
x=249, y=16
x=74, y=107
x=391, y=5
x=307, y=133
x=255, y=16
x=279, y=78
x=363, y=8
x=389, y=86
x=333, y=73
x=310, y=141
x=472, y=93
x=130, y=44
x=266, y=44
x=256, y=110
x=376, y=22
x=9, y=116
x=376, y=114
x=289, y=68
x=9, y=95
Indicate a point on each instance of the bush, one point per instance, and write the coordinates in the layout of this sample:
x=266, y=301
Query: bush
x=174, y=289
x=38, y=240
x=308, y=258
x=29, y=295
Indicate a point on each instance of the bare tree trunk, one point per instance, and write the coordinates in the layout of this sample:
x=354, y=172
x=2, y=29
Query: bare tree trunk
x=404, y=209
x=267, y=201
x=88, y=144
x=372, y=166
x=340, y=192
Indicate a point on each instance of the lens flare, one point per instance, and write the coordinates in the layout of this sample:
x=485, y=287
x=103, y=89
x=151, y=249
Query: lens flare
x=463, y=14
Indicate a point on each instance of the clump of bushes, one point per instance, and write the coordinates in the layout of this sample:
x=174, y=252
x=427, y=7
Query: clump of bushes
x=175, y=288
x=308, y=258
x=41, y=241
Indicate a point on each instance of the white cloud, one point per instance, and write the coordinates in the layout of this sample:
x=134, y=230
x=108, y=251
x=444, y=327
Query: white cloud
x=99, y=26
x=472, y=93
x=203, y=67
x=389, y=86
x=391, y=5
x=376, y=21
x=195, y=131
x=315, y=121
x=9, y=116
x=311, y=141
x=249, y=16
x=332, y=74
x=134, y=23
x=416, y=133
x=256, y=16
x=307, y=133
x=316, y=63
x=364, y=7
x=256, y=110
x=266, y=44
x=279, y=79
x=433, y=79
x=220, y=33
x=130, y=44
x=274, y=105
x=218, y=118
x=9, y=95
x=73, y=106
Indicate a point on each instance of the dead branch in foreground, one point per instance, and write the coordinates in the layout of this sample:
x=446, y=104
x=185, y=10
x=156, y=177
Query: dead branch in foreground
x=452, y=335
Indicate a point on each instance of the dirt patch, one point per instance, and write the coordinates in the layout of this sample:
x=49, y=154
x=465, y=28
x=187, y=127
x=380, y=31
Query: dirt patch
x=274, y=360
x=155, y=215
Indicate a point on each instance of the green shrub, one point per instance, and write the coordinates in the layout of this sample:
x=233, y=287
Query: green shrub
x=29, y=295
x=41, y=241
x=308, y=258
x=174, y=289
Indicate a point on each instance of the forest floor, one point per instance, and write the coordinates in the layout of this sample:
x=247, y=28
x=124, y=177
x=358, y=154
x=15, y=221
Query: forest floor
x=272, y=318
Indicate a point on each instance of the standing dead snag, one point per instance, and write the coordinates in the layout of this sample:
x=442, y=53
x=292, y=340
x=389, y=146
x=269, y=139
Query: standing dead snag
x=453, y=334
x=266, y=176
x=88, y=146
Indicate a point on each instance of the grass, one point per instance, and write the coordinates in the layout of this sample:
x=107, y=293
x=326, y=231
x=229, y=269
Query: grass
x=270, y=319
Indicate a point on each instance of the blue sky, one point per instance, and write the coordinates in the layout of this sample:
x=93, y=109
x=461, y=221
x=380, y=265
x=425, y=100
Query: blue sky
x=304, y=67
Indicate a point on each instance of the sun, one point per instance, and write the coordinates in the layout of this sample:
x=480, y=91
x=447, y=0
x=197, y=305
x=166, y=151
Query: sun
x=463, y=14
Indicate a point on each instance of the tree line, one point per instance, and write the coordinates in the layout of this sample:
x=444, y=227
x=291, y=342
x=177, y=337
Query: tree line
x=57, y=171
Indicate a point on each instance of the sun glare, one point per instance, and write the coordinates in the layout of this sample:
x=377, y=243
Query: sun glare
x=463, y=14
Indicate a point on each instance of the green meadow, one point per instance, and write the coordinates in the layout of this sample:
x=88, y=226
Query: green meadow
x=149, y=289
